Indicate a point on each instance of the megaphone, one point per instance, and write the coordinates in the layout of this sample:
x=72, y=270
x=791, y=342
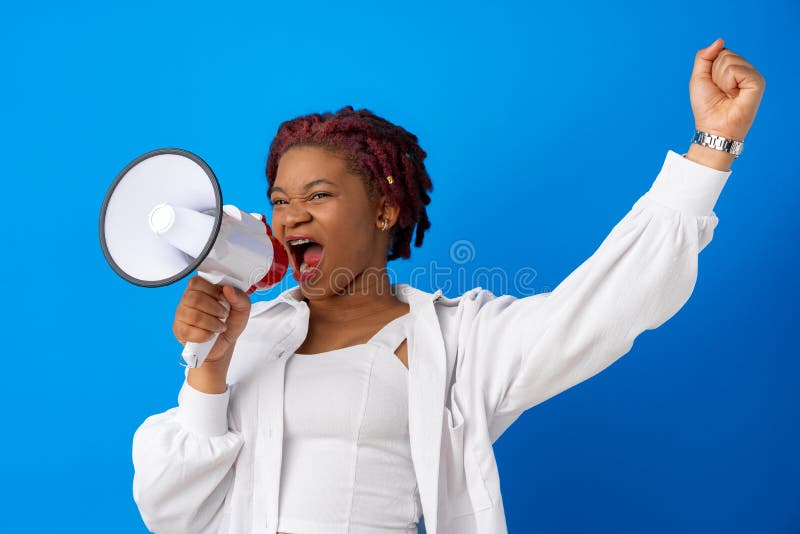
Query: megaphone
x=163, y=217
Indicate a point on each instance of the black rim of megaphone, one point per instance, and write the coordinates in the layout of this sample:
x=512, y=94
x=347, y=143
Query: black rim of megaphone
x=217, y=218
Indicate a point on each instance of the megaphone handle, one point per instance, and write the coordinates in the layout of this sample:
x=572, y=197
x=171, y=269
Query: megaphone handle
x=194, y=354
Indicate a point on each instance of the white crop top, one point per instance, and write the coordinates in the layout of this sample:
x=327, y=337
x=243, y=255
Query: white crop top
x=346, y=452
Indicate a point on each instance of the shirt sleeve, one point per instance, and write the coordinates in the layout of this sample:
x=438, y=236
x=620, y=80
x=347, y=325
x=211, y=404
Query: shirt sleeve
x=183, y=461
x=522, y=351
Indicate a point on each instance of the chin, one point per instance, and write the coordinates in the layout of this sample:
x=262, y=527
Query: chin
x=315, y=287
x=337, y=281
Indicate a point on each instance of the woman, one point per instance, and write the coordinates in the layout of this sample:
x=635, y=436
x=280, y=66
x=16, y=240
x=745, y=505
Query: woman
x=303, y=420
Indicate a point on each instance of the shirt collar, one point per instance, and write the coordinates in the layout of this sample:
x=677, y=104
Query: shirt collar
x=293, y=297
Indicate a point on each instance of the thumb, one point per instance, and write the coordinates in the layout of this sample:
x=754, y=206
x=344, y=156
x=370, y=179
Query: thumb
x=237, y=298
x=705, y=58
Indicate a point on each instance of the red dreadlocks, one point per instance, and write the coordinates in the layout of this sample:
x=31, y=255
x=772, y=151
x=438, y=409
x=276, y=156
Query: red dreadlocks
x=374, y=148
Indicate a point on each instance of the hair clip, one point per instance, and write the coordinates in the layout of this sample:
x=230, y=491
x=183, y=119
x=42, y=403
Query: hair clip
x=390, y=179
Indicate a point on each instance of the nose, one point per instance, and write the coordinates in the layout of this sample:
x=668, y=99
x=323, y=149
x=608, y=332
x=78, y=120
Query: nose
x=295, y=213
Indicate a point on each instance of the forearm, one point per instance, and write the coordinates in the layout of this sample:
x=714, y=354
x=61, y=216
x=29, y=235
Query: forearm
x=710, y=157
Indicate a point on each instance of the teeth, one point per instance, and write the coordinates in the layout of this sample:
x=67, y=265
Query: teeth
x=294, y=242
x=304, y=267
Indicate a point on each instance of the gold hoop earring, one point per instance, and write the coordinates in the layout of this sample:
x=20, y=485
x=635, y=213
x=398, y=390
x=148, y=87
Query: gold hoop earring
x=384, y=226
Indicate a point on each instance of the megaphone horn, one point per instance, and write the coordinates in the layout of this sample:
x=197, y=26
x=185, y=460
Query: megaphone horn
x=163, y=217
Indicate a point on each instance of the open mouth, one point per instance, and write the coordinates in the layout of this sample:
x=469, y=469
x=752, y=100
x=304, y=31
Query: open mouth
x=306, y=255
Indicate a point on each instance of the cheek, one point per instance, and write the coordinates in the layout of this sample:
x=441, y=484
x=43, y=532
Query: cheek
x=350, y=237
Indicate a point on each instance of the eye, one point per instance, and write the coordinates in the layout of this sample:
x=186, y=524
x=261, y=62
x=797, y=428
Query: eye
x=319, y=195
x=277, y=201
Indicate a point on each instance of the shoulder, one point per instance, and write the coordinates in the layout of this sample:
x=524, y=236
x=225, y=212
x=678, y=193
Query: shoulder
x=284, y=306
x=457, y=314
x=262, y=306
x=267, y=317
x=459, y=300
x=270, y=322
x=479, y=308
x=470, y=300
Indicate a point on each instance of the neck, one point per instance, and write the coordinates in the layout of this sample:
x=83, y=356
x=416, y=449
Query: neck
x=365, y=296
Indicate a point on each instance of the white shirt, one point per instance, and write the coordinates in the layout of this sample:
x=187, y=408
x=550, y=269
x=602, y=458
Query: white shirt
x=476, y=362
x=347, y=465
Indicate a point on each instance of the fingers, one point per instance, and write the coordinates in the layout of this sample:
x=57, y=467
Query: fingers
x=205, y=308
x=201, y=312
x=199, y=319
x=732, y=73
x=705, y=57
x=729, y=71
x=205, y=303
x=197, y=283
x=728, y=79
x=188, y=332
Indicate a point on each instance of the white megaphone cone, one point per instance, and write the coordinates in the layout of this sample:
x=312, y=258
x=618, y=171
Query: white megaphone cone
x=163, y=218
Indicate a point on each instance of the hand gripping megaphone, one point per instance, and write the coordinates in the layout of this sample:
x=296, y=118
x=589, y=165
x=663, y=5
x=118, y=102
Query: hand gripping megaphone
x=163, y=217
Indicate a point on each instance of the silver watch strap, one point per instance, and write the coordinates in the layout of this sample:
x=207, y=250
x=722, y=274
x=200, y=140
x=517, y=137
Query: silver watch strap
x=717, y=142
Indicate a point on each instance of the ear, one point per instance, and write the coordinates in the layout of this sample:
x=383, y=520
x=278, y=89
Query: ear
x=388, y=212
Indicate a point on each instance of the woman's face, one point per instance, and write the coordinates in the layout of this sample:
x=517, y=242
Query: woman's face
x=315, y=197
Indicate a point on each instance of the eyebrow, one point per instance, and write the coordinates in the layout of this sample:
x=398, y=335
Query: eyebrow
x=308, y=186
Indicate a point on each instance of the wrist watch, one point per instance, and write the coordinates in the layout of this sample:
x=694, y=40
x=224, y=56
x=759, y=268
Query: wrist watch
x=717, y=142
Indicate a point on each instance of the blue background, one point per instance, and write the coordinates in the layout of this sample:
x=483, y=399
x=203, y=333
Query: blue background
x=543, y=123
